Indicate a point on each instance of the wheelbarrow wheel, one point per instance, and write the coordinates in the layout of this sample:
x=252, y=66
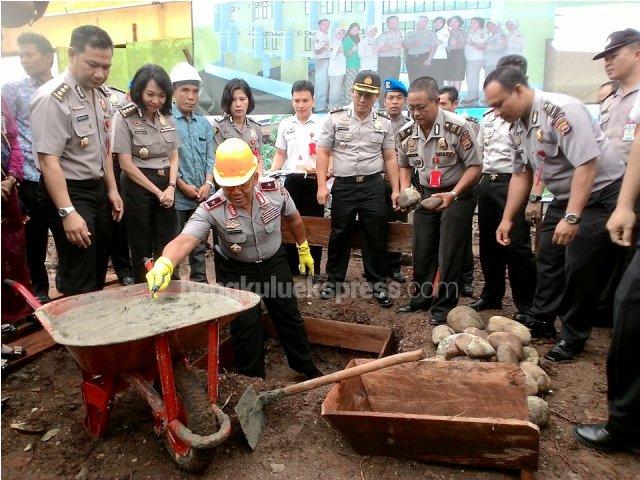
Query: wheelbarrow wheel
x=196, y=461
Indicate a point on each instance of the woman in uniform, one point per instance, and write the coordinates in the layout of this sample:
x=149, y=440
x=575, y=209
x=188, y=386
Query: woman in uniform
x=146, y=142
x=237, y=102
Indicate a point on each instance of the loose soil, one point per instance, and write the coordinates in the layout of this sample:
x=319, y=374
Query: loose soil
x=297, y=443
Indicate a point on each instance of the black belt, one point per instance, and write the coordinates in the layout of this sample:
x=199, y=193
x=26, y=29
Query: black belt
x=161, y=172
x=493, y=177
x=86, y=181
x=358, y=178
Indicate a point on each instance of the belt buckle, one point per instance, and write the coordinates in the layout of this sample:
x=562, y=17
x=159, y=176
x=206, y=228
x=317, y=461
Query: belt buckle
x=494, y=176
x=360, y=179
x=161, y=172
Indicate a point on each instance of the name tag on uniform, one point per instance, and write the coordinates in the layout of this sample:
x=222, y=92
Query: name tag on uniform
x=629, y=133
x=167, y=129
x=140, y=132
x=270, y=214
x=342, y=127
x=86, y=117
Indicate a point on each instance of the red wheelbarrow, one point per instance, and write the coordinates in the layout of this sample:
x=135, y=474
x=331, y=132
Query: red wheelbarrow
x=130, y=349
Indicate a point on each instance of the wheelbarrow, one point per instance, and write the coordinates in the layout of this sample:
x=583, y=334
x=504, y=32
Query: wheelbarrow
x=138, y=351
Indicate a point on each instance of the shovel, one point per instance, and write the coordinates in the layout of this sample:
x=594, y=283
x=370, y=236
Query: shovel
x=251, y=405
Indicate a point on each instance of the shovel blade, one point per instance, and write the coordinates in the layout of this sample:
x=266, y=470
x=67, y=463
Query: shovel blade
x=251, y=416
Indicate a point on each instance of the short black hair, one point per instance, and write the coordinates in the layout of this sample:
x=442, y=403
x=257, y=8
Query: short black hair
x=40, y=42
x=508, y=77
x=391, y=17
x=303, y=86
x=227, y=94
x=514, y=60
x=323, y=20
x=90, y=35
x=480, y=20
x=425, y=84
x=458, y=18
x=142, y=77
x=452, y=93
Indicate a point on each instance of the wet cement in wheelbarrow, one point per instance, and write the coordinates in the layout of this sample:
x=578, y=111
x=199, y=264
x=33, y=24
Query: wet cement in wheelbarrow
x=119, y=320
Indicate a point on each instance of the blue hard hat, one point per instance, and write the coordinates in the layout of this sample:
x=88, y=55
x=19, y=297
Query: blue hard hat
x=394, y=85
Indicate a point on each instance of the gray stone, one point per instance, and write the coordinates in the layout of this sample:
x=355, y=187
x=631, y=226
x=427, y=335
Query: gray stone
x=504, y=324
x=539, y=376
x=505, y=354
x=440, y=333
x=538, y=411
x=531, y=387
x=531, y=355
x=507, y=338
x=462, y=317
x=477, y=332
x=474, y=347
x=447, y=347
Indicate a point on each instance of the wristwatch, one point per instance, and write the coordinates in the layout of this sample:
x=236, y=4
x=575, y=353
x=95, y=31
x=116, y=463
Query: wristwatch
x=210, y=184
x=533, y=198
x=571, y=218
x=64, y=212
x=455, y=195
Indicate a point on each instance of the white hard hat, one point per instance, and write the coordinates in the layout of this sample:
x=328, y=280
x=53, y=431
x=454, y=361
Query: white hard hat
x=183, y=72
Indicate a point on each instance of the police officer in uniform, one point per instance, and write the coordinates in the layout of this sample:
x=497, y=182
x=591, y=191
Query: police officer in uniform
x=237, y=102
x=442, y=146
x=71, y=121
x=247, y=216
x=557, y=142
x=362, y=145
x=146, y=141
x=395, y=100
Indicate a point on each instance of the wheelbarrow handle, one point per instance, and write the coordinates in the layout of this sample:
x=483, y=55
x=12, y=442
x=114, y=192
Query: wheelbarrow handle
x=24, y=292
x=396, y=359
x=207, y=442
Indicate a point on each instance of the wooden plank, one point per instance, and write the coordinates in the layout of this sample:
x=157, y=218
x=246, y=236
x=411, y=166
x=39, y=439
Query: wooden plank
x=35, y=344
x=350, y=336
x=467, y=389
x=318, y=230
x=493, y=443
x=349, y=395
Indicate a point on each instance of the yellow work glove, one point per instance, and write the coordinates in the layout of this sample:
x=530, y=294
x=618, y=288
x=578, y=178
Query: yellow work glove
x=159, y=276
x=305, y=259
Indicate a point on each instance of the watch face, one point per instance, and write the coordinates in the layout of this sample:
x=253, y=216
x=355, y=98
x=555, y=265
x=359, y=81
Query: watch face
x=571, y=218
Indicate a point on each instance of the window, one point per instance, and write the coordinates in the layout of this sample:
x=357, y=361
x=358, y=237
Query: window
x=262, y=10
x=271, y=43
x=360, y=6
x=395, y=7
x=308, y=42
x=345, y=7
x=326, y=7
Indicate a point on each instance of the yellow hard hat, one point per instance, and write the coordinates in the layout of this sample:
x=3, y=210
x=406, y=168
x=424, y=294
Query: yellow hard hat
x=235, y=163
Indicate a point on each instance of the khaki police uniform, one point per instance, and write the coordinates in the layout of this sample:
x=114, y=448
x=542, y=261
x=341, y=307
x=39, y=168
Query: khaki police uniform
x=389, y=61
x=439, y=237
x=496, y=152
x=150, y=143
x=559, y=137
x=299, y=141
x=252, y=258
x=422, y=43
x=358, y=190
x=73, y=124
x=251, y=132
x=615, y=120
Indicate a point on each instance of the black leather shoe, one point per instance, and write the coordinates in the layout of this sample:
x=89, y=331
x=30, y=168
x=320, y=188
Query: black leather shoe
x=538, y=328
x=563, y=351
x=398, y=277
x=408, y=308
x=482, y=304
x=466, y=291
x=597, y=436
x=316, y=279
x=329, y=291
x=312, y=372
x=383, y=299
x=437, y=318
x=125, y=281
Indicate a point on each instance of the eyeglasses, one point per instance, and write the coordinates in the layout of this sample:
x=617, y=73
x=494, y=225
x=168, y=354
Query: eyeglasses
x=420, y=108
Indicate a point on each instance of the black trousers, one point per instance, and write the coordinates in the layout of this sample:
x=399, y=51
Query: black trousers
x=495, y=258
x=80, y=270
x=303, y=191
x=415, y=66
x=37, y=237
x=393, y=258
x=567, y=284
x=623, y=373
x=439, y=240
x=388, y=67
x=367, y=200
x=119, y=246
x=466, y=274
x=149, y=225
x=197, y=262
x=272, y=280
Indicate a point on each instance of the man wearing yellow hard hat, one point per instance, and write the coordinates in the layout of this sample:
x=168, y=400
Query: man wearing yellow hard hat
x=246, y=214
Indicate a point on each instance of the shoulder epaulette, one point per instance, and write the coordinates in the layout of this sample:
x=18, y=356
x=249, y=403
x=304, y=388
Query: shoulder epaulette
x=104, y=90
x=471, y=119
x=551, y=109
x=60, y=92
x=337, y=109
x=269, y=185
x=384, y=114
x=214, y=201
x=128, y=109
x=253, y=121
x=489, y=110
x=405, y=132
x=406, y=119
x=452, y=127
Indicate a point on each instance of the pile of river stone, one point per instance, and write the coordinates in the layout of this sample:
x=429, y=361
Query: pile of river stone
x=466, y=336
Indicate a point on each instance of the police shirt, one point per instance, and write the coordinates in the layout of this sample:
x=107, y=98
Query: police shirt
x=494, y=144
x=149, y=143
x=321, y=40
x=476, y=52
x=391, y=38
x=615, y=120
x=300, y=141
x=450, y=148
x=425, y=40
x=356, y=144
x=246, y=237
x=561, y=136
x=251, y=132
x=73, y=124
x=117, y=98
x=398, y=123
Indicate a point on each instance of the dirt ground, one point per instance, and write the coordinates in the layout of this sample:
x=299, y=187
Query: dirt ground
x=297, y=442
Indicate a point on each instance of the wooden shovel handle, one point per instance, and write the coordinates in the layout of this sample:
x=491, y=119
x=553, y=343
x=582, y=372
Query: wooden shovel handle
x=396, y=359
